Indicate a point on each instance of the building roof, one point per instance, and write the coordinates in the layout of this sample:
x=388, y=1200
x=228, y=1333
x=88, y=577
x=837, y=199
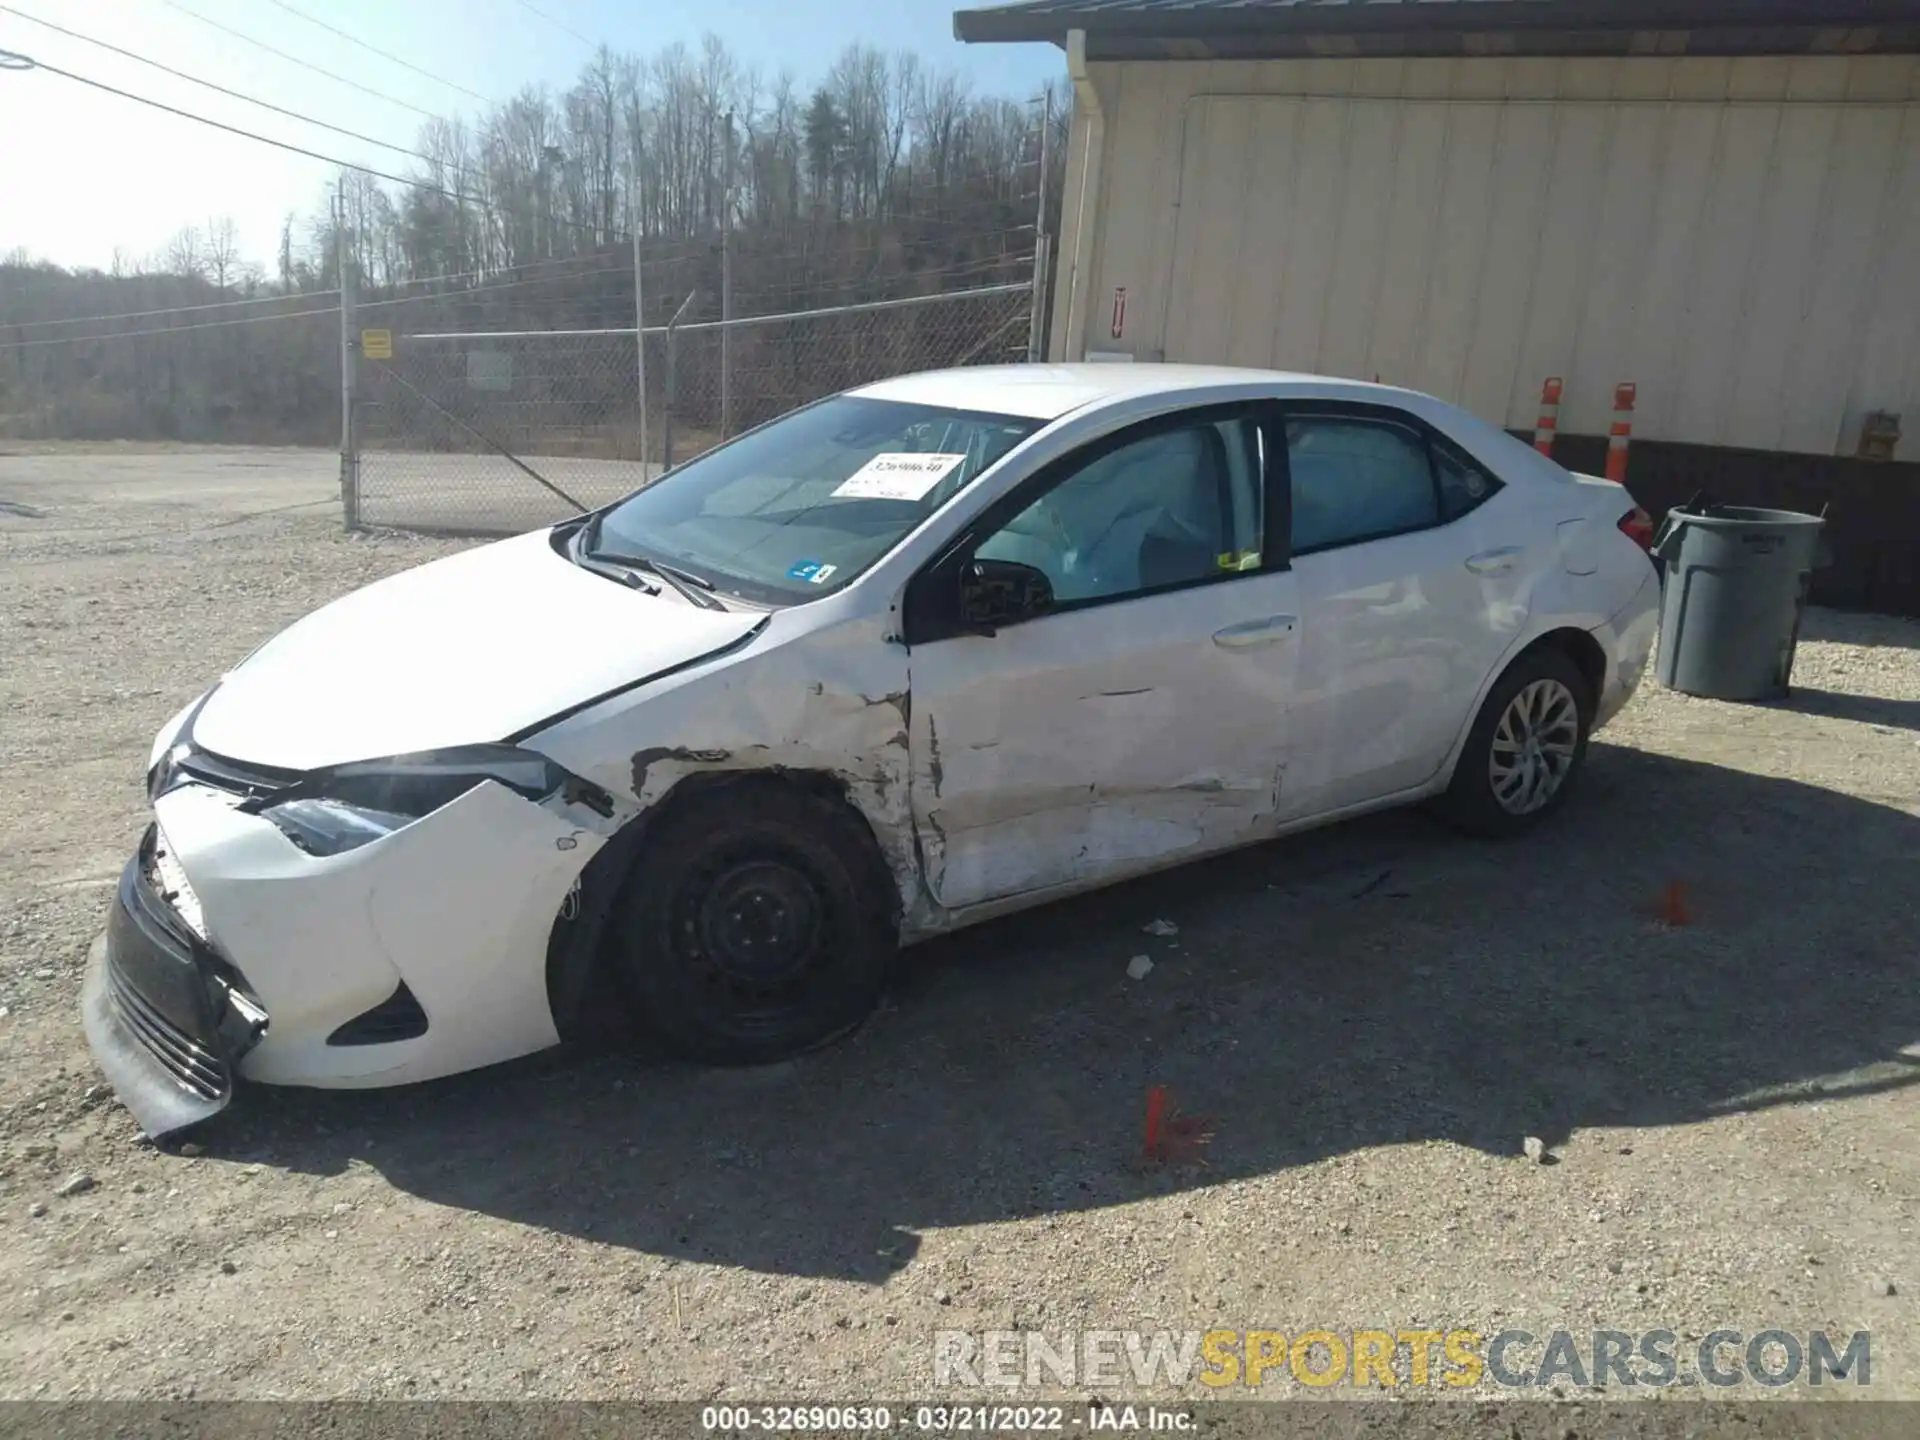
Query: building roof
x=1202, y=29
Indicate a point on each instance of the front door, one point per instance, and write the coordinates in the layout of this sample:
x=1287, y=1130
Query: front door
x=1142, y=719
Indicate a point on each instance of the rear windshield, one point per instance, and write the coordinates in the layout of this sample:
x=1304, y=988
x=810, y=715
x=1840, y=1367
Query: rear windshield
x=800, y=507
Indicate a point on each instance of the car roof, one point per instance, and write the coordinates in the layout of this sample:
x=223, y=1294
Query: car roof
x=1046, y=392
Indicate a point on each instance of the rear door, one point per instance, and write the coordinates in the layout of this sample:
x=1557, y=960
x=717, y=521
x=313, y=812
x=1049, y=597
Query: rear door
x=1415, y=568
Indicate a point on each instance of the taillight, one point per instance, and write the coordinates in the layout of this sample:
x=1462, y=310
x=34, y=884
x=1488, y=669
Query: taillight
x=1637, y=526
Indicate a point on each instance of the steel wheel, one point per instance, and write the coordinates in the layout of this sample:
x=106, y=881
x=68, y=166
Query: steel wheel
x=751, y=934
x=758, y=922
x=1534, y=746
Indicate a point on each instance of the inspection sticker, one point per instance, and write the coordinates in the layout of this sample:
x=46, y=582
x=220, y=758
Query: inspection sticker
x=898, y=475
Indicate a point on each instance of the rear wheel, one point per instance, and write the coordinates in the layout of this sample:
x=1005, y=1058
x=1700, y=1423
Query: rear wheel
x=758, y=924
x=1525, y=750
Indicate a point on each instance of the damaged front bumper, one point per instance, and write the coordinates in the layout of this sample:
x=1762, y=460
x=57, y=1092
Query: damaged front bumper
x=167, y=1020
x=412, y=956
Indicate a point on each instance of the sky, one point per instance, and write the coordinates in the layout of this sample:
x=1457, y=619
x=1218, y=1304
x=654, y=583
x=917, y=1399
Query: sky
x=83, y=173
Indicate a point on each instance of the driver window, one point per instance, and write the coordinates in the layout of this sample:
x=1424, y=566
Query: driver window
x=1172, y=508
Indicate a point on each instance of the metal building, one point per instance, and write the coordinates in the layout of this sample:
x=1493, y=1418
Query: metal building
x=1717, y=200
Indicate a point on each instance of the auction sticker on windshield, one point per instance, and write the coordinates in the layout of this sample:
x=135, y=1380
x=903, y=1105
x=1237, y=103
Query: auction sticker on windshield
x=898, y=475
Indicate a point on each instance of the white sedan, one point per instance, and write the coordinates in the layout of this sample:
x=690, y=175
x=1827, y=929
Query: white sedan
x=913, y=656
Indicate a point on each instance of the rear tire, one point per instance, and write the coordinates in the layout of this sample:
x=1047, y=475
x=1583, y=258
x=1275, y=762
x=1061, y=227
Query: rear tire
x=1525, y=750
x=758, y=924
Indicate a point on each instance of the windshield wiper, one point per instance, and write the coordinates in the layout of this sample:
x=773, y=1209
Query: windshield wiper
x=614, y=570
x=690, y=587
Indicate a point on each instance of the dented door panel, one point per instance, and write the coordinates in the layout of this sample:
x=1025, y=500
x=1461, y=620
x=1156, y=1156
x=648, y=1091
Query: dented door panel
x=1085, y=746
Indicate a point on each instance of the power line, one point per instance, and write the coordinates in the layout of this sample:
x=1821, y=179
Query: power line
x=300, y=295
x=365, y=304
x=533, y=9
x=376, y=50
x=245, y=134
x=177, y=309
x=235, y=94
x=11, y=60
x=296, y=60
x=175, y=329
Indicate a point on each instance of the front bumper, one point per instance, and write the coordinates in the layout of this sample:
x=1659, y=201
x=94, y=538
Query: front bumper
x=166, y=1020
x=415, y=956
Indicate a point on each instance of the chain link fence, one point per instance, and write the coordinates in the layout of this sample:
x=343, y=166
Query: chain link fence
x=497, y=432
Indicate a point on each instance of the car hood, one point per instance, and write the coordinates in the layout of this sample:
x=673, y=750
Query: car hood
x=474, y=648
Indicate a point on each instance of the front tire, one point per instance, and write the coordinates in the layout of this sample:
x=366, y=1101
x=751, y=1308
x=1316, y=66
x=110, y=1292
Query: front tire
x=1526, y=748
x=758, y=924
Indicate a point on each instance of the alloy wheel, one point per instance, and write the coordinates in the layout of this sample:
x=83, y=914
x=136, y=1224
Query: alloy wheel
x=1534, y=746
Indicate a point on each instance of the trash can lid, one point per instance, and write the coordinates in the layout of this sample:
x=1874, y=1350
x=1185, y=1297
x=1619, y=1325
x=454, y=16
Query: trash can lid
x=1733, y=517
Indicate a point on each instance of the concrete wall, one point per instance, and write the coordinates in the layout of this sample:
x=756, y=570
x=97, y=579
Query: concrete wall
x=1739, y=237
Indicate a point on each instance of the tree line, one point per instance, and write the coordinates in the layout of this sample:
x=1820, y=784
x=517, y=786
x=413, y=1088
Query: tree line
x=886, y=178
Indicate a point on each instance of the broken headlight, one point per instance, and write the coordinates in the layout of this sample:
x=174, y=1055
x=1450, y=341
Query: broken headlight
x=346, y=806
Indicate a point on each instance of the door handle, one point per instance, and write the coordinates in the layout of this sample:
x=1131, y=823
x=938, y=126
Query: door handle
x=1495, y=562
x=1256, y=632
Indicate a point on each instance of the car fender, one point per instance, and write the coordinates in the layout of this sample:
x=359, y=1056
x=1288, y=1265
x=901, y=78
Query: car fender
x=1561, y=602
x=826, y=701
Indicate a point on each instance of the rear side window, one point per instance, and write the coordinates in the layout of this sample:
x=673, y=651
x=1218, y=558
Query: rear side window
x=1464, y=485
x=1357, y=479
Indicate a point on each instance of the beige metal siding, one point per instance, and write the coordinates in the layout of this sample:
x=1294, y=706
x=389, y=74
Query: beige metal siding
x=1739, y=237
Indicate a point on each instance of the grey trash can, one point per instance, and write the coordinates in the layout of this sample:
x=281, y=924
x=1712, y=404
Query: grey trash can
x=1733, y=586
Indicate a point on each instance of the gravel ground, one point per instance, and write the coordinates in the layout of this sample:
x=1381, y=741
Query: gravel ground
x=1375, y=1018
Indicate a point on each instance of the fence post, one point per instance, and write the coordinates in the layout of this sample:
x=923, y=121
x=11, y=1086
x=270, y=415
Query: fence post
x=726, y=285
x=673, y=384
x=1622, y=435
x=1549, y=417
x=349, y=372
x=1038, y=321
x=639, y=316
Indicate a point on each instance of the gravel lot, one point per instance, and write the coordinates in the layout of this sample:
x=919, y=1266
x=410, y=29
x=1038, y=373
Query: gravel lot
x=1375, y=1017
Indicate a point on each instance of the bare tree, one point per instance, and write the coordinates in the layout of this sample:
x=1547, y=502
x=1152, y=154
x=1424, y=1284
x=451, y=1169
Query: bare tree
x=182, y=254
x=877, y=178
x=222, y=250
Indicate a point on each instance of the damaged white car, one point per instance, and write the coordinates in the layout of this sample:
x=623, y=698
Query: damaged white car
x=907, y=658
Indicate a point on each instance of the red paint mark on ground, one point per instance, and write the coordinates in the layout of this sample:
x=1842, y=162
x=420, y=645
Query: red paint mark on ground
x=1173, y=1138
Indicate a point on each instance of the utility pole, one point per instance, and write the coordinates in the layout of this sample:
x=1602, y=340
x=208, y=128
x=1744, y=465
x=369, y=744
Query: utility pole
x=726, y=280
x=349, y=367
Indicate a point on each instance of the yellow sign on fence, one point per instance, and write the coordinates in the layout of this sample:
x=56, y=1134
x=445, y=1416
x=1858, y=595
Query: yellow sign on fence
x=376, y=344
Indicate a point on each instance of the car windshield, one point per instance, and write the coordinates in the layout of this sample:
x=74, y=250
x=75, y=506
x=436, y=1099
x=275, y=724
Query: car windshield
x=802, y=506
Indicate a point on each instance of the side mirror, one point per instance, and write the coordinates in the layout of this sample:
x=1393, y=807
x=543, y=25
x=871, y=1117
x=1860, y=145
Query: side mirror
x=1002, y=592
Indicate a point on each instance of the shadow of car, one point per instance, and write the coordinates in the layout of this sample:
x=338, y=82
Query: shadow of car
x=1377, y=984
